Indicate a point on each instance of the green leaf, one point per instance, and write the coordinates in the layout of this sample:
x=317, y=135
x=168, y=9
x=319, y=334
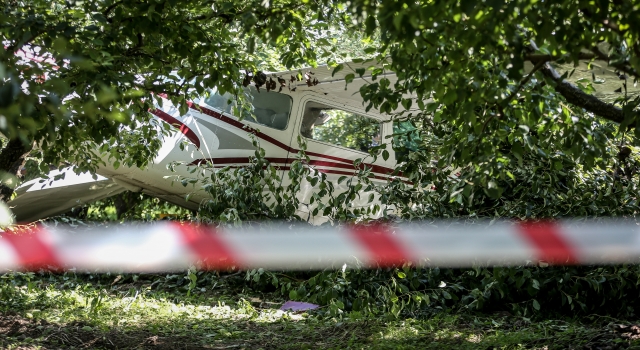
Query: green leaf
x=397, y=20
x=349, y=78
x=535, y=284
x=337, y=69
x=536, y=305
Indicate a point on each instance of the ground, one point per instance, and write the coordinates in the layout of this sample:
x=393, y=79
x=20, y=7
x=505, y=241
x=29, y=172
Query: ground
x=69, y=311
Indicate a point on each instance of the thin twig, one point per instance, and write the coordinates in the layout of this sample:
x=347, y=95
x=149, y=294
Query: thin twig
x=536, y=57
x=524, y=81
x=623, y=66
x=15, y=47
x=111, y=7
x=613, y=26
x=289, y=277
x=231, y=275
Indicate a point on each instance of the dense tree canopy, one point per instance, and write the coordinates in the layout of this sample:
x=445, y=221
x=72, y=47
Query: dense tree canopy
x=73, y=73
x=488, y=68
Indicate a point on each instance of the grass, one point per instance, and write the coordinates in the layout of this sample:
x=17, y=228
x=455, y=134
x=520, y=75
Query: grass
x=47, y=311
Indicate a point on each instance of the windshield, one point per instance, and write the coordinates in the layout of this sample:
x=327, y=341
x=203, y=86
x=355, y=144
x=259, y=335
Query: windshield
x=270, y=109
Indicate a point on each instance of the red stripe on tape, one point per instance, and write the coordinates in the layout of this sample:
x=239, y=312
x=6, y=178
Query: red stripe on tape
x=549, y=243
x=32, y=251
x=383, y=247
x=209, y=248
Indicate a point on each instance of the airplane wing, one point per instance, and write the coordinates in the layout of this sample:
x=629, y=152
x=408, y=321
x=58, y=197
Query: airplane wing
x=36, y=200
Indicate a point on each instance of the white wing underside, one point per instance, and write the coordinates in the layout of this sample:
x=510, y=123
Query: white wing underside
x=36, y=200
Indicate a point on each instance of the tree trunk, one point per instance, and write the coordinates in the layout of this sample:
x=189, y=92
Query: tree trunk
x=125, y=201
x=12, y=159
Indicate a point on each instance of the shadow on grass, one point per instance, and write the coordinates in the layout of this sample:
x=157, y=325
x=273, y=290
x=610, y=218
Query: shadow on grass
x=25, y=333
x=20, y=332
x=54, y=312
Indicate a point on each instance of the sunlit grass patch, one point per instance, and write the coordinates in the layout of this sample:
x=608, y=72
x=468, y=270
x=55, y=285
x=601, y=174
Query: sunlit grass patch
x=134, y=308
x=67, y=311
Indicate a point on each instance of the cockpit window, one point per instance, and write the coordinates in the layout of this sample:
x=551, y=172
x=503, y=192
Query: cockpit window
x=270, y=109
x=333, y=125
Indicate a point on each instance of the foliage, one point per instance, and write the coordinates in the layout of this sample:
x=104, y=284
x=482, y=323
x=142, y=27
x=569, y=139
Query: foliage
x=255, y=192
x=135, y=206
x=533, y=185
x=491, y=97
x=474, y=86
x=246, y=193
x=125, y=206
x=78, y=77
x=528, y=290
x=125, y=311
x=538, y=190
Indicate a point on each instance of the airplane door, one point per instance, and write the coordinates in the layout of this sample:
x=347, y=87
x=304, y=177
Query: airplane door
x=336, y=135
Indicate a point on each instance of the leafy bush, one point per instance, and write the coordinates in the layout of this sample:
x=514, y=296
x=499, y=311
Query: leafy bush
x=521, y=290
x=528, y=184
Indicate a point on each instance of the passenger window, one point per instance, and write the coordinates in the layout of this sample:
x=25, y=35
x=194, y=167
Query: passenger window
x=338, y=127
x=270, y=109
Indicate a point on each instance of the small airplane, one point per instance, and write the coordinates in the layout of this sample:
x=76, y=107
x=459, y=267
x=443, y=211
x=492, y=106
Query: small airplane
x=310, y=103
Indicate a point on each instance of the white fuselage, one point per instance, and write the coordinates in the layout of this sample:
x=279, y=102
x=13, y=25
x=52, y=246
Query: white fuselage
x=220, y=139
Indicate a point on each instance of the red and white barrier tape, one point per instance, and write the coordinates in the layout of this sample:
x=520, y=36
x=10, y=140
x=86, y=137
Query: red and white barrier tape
x=172, y=246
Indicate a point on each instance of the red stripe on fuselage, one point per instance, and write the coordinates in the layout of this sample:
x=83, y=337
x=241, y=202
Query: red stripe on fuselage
x=239, y=125
x=249, y=129
x=220, y=162
x=173, y=121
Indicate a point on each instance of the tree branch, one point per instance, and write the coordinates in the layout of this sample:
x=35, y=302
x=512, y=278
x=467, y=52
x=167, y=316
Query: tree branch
x=535, y=58
x=595, y=53
x=111, y=7
x=579, y=98
x=140, y=41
